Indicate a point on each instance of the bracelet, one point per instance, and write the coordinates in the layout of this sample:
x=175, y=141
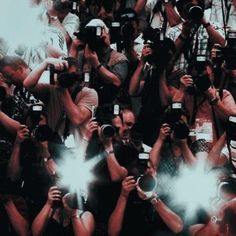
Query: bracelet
x=76, y=215
x=108, y=152
x=206, y=25
x=99, y=66
x=181, y=37
x=46, y=159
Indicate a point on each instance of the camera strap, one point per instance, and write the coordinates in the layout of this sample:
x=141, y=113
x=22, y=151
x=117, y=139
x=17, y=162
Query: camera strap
x=225, y=6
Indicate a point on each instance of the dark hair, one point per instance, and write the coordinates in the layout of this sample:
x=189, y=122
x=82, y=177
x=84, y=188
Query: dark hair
x=12, y=61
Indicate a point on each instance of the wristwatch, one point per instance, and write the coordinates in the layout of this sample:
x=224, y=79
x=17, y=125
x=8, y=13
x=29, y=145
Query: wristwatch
x=215, y=220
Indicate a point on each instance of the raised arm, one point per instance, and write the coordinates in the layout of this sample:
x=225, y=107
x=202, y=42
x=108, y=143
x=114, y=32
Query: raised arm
x=116, y=219
x=10, y=124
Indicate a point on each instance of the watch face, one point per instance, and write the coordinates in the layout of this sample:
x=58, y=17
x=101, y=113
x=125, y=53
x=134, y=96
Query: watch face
x=215, y=220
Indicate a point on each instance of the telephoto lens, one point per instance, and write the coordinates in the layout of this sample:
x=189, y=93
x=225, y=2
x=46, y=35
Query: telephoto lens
x=147, y=184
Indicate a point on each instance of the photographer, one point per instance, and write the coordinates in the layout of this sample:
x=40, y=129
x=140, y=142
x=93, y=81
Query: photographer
x=64, y=220
x=162, y=14
x=109, y=68
x=206, y=108
x=72, y=100
x=58, y=15
x=136, y=213
x=192, y=35
x=148, y=81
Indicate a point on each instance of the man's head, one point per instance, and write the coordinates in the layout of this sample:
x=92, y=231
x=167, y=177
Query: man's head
x=101, y=31
x=128, y=19
x=123, y=123
x=14, y=69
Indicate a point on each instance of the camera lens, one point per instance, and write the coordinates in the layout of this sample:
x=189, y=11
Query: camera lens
x=108, y=130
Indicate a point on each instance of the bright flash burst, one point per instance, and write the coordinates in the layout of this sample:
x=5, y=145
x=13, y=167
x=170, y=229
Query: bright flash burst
x=76, y=174
x=195, y=188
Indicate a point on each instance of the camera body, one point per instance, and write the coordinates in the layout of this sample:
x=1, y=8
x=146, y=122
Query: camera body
x=193, y=11
x=103, y=115
x=40, y=132
x=172, y=117
x=200, y=78
x=92, y=36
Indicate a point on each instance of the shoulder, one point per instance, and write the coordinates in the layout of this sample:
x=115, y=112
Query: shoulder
x=117, y=57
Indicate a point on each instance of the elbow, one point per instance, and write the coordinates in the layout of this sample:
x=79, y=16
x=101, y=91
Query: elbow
x=76, y=121
x=117, y=82
x=27, y=85
x=178, y=227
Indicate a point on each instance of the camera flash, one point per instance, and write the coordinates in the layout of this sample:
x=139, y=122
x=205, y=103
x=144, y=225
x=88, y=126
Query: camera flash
x=86, y=77
x=99, y=31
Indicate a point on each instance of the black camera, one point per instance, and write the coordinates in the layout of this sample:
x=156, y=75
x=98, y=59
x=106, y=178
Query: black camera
x=37, y=131
x=103, y=115
x=193, y=11
x=92, y=36
x=162, y=47
x=172, y=117
x=64, y=78
x=227, y=53
x=200, y=79
x=230, y=50
x=231, y=128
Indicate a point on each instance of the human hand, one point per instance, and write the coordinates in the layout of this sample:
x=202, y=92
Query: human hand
x=91, y=56
x=143, y=195
x=69, y=211
x=58, y=63
x=128, y=184
x=54, y=194
x=146, y=52
x=185, y=82
x=165, y=131
x=22, y=134
x=90, y=127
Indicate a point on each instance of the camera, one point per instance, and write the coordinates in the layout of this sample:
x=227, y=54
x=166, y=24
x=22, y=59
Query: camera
x=172, y=117
x=92, y=36
x=103, y=115
x=162, y=47
x=230, y=50
x=193, y=11
x=227, y=53
x=40, y=132
x=231, y=128
x=200, y=79
x=64, y=78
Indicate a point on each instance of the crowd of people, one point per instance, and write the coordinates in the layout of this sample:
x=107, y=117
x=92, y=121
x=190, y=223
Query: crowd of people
x=139, y=88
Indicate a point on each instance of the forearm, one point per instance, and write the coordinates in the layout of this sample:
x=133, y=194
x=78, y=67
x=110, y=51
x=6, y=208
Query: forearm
x=32, y=79
x=135, y=79
x=108, y=76
x=72, y=110
x=164, y=91
x=40, y=222
x=13, y=167
x=214, y=155
x=215, y=36
x=18, y=222
x=155, y=153
x=187, y=154
x=73, y=52
x=79, y=226
x=116, y=219
x=10, y=124
x=208, y=229
x=116, y=171
x=139, y=6
x=171, y=219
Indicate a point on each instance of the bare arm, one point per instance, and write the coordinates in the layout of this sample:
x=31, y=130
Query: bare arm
x=139, y=6
x=9, y=123
x=155, y=153
x=187, y=153
x=19, y=223
x=171, y=219
x=41, y=220
x=116, y=219
x=14, y=168
x=214, y=157
x=116, y=171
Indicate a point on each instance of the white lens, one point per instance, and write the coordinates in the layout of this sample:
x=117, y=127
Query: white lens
x=98, y=31
x=86, y=77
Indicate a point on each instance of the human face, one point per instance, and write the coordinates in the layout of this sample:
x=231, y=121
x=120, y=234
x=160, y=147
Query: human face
x=15, y=75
